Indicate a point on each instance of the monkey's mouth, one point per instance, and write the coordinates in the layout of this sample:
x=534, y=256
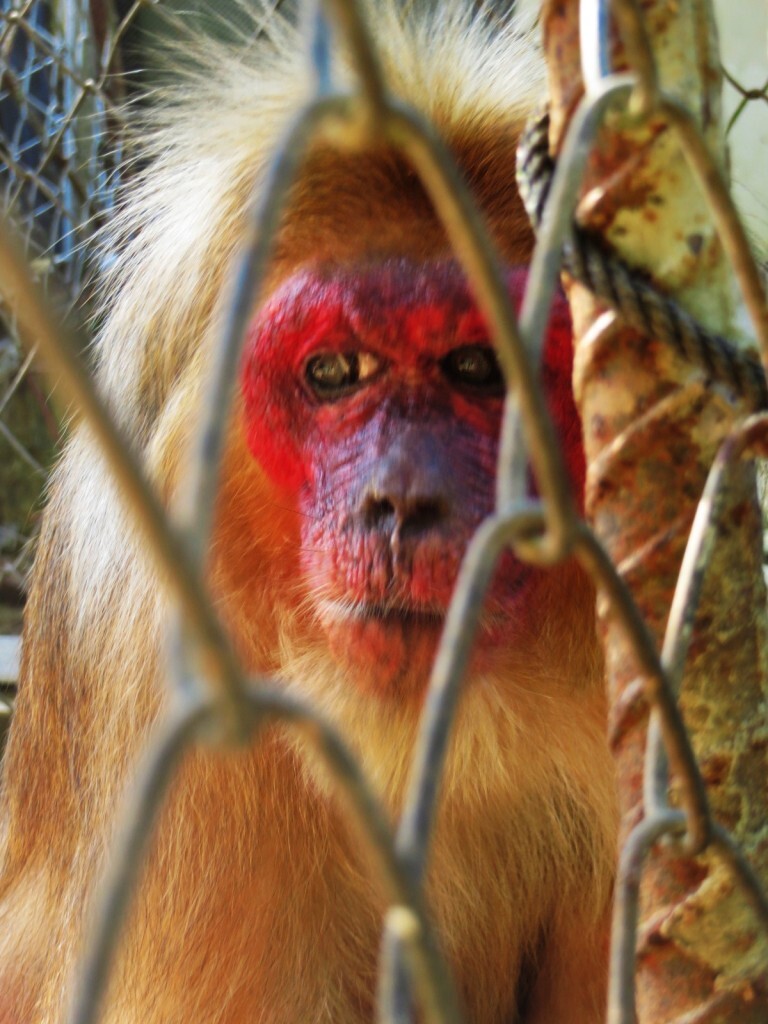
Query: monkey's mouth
x=390, y=648
x=337, y=613
x=394, y=614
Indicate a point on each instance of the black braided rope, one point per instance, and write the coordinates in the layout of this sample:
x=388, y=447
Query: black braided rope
x=632, y=295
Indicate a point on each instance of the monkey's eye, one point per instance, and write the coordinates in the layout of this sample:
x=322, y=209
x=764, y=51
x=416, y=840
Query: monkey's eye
x=332, y=374
x=475, y=367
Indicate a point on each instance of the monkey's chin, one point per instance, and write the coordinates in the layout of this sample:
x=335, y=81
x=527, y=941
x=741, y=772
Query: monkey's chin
x=386, y=652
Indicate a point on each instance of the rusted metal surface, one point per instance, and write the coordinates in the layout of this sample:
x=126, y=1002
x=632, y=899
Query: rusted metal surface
x=652, y=426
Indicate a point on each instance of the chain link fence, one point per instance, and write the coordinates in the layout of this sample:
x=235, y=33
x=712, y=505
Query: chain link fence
x=60, y=154
x=63, y=68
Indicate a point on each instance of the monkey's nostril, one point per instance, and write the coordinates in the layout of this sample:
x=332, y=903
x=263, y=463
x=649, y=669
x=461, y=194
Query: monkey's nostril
x=379, y=512
x=420, y=517
x=410, y=515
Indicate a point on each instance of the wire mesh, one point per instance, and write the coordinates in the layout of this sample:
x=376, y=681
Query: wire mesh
x=59, y=178
x=60, y=153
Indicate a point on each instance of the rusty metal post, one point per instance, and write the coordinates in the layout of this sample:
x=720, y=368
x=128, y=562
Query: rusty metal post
x=652, y=425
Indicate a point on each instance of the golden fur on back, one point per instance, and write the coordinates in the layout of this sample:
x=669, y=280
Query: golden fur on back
x=257, y=905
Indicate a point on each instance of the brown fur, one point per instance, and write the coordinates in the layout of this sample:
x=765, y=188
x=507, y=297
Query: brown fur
x=256, y=904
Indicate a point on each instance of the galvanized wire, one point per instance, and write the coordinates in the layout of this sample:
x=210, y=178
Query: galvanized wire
x=60, y=155
x=49, y=192
x=60, y=148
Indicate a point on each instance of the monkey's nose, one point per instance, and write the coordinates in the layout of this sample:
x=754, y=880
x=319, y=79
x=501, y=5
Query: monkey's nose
x=407, y=490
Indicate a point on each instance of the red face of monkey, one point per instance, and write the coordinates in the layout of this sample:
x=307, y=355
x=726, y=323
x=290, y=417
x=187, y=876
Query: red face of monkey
x=374, y=399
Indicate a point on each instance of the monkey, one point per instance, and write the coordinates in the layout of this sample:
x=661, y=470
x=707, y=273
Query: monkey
x=360, y=458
